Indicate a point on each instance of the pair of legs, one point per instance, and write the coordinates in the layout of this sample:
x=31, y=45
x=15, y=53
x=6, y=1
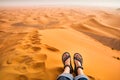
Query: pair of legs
x=68, y=69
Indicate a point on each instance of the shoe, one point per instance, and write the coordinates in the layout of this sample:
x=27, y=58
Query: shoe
x=67, y=55
x=79, y=58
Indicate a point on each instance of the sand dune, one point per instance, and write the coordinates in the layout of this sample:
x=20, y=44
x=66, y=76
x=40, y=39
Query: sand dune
x=32, y=41
x=100, y=31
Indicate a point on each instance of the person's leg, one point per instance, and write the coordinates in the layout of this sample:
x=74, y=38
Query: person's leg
x=78, y=60
x=81, y=75
x=66, y=75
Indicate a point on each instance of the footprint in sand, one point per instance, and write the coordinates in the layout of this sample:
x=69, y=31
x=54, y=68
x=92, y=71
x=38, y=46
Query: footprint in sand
x=39, y=62
x=2, y=21
x=35, y=48
x=9, y=61
x=21, y=68
x=26, y=59
x=40, y=57
x=51, y=48
x=22, y=77
x=32, y=47
x=38, y=66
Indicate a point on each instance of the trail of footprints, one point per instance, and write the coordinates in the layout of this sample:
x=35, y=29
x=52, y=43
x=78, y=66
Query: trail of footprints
x=32, y=41
x=29, y=62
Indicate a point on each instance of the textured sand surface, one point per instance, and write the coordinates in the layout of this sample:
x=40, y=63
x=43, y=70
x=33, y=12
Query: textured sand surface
x=32, y=41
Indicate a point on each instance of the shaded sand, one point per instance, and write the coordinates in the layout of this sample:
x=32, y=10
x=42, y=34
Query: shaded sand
x=32, y=41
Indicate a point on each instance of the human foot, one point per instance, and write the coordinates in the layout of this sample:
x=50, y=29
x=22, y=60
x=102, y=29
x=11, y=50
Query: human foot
x=66, y=59
x=78, y=61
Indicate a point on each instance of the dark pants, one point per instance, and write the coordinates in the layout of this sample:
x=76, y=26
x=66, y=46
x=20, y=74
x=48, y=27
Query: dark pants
x=70, y=77
x=65, y=78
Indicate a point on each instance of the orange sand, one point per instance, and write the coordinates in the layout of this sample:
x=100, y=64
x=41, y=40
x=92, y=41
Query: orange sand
x=32, y=41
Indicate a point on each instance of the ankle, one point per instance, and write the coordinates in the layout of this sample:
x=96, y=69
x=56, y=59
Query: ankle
x=66, y=69
x=80, y=71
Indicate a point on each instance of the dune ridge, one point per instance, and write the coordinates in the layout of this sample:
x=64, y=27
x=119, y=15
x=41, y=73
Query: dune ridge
x=99, y=31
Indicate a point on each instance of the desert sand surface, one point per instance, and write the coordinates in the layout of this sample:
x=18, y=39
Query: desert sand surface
x=32, y=41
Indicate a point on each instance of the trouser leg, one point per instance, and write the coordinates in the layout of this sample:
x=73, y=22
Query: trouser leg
x=81, y=77
x=65, y=76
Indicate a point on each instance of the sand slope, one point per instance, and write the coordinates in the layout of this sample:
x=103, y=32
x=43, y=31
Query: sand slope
x=32, y=41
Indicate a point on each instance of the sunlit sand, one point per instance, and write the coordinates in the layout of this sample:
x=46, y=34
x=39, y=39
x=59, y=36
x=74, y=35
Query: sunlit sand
x=32, y=41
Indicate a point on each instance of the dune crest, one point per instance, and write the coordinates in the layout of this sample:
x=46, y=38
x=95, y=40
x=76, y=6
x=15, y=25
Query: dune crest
x=99, y=31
